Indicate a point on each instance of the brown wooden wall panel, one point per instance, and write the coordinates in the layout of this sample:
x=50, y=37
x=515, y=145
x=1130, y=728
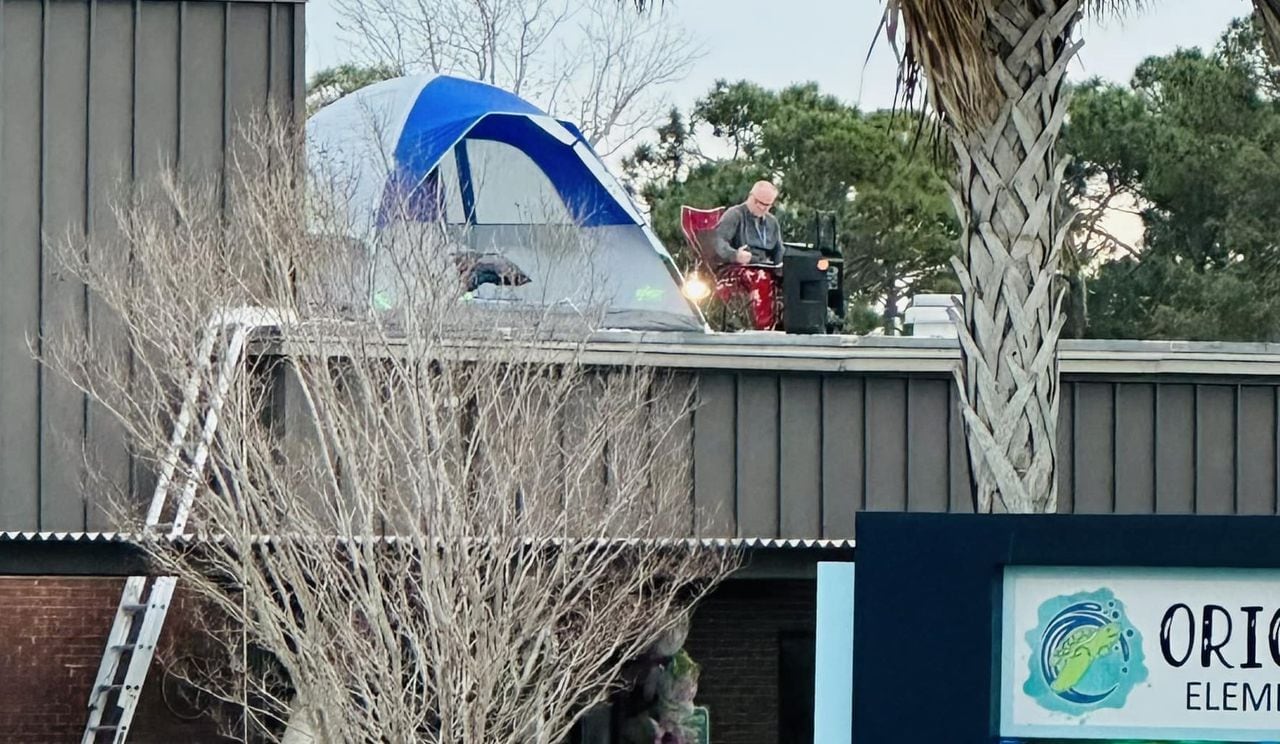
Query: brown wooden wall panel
x=1093, y=448
x=21, y=150
x=897, y=442
x=1256, y=439
x=928, y=458
x=960, y=499
x=62, y=301
x=886, y=443
x=1066, y=463
x=758, y=455
x=280, y=59
x=248, y=71
x=156, y=86
x=1135, y=448
x=1215, y=430
x=1175, y=449
x=842, y=453
x=674, y=448
x=797, y=455
x=249, y=59
x=110, y=162
x=800, y=458
x=715, y=455
x=93, y=94
x=203, y=89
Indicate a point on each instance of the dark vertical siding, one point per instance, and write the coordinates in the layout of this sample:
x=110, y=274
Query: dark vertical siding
x=110, y=161
x=886, y=443
x=203, y=82
x=714, y=454
x=64, y=102
x=928, y=460
x=156, y=87
x=1175, y=449
x=758, y=451
x=842, y=448
x=1066, y=448
x=1135, y=448
x=897, y=442
x=961, y=490
x=673, y=451
x=1093, y=448
x=1215, y=455
x=800, y=443
x=1256, y=442
x=93, y=93
x=22, y=49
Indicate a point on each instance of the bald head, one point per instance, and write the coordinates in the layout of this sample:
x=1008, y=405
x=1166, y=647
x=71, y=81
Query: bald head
x=760, y=199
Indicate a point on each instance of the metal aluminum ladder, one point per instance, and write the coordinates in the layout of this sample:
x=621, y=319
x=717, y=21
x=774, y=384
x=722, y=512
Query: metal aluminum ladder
x=145, y=601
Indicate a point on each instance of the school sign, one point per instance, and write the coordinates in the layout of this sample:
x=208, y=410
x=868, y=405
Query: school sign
x=1140, y=653
x=1020, y=628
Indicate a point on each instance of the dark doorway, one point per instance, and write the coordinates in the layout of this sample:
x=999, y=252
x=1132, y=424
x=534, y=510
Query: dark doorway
x=795, y=687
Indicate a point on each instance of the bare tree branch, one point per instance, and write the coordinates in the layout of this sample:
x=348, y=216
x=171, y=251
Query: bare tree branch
x=597, y=61
x=429, y=522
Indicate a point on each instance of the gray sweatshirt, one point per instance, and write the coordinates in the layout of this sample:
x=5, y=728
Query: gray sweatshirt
x=738, y=227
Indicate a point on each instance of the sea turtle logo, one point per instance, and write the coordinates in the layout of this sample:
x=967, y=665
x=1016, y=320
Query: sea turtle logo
x=1085, y=654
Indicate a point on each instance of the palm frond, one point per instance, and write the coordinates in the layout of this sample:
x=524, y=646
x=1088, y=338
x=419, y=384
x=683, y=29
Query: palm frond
x=946, y=56
x=1115, y=7
x=943, y=46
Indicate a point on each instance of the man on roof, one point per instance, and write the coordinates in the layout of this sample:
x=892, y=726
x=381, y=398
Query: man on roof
x=748, y=233
x=748, y=241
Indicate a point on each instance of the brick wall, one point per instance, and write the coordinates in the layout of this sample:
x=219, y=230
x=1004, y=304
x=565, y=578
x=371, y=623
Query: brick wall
x=52, y=633
x=735, y=638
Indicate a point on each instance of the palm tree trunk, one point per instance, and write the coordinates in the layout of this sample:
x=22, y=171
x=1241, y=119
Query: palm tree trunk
x=1014, y=226
x=1267, y=13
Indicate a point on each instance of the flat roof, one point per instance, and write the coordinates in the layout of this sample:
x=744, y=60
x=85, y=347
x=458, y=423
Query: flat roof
x=775, y=352
x=779, y=351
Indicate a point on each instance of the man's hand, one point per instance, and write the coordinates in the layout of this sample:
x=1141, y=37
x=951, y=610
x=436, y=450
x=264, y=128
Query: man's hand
x=743, y=256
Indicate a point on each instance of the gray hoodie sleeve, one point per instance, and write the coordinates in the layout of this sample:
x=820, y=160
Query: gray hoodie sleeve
x=779, y=250
x=726, y=233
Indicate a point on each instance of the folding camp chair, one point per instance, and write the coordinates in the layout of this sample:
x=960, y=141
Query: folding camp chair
x=698, y=226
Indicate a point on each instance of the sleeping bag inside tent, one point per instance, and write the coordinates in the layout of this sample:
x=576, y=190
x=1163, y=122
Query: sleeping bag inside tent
x=508, y=183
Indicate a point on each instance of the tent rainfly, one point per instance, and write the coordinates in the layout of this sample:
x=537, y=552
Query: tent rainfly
x=503, y=179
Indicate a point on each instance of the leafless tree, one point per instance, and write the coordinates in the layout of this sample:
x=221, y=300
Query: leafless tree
x=429, y=521
x=594, y=61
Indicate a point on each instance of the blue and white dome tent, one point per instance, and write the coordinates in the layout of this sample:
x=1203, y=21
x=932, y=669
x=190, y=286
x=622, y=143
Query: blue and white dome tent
x=504, y=179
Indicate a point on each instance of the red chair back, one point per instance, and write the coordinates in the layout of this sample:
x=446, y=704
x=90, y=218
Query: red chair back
x=699, y=227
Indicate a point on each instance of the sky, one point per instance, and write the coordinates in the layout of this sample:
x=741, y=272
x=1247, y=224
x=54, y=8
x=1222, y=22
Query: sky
x=775, y=42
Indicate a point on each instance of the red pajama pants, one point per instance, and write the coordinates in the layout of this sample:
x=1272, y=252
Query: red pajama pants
x=759, y=285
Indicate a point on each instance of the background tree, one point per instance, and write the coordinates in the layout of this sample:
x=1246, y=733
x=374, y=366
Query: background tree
x=332, y=83
x=1195, y=141
x=415, y=525
x=592, y=61
x=1101, y=184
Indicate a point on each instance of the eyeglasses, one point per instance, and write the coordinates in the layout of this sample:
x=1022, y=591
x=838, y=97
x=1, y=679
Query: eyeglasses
x=761, y=203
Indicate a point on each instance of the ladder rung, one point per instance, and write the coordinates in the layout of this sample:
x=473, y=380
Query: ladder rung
x=104, y=727
x=124, y=647
x=141, y=606
x=106, y=688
